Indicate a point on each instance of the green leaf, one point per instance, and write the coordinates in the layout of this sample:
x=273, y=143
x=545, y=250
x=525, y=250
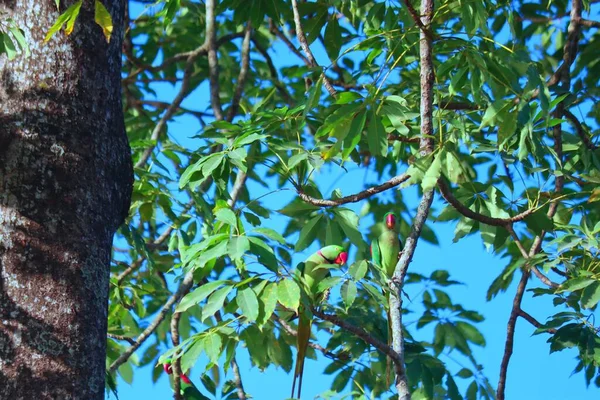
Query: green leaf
x=358, y=269
x=591, y=295
x=69, y=14
x=248, y=303
x=308, y=233
x=9, y=46
x=333, y=38
x=327, y=283
x=433, y=173
x=102, y=17
x=73, y=18
x=313, y=97
x=348, y=292
x=193, y=352
x=313, y=26
x=471, y=333
x=237, y=247
x=197, y=295
x=268, y=298
x=539, y=221
x=227, y=216
x=215, y=302
x=271, y=234
x=376, y=136
x=213, y=345
x=126, y=372
x=288, y=294
x=355, y=133
x=575, y=284
x=264, y=252
x=348, y=221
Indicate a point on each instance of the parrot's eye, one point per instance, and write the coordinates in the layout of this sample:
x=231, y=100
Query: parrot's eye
x=342, y=258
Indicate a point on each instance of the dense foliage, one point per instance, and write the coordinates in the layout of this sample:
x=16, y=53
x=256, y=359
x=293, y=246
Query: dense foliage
x=200, y=269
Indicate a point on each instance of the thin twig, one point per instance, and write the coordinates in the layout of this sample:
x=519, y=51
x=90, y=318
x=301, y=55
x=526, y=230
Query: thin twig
x=183, y=92
x=287, y=42
x=307, y=51
x=203, y=50
x=395, y=181
x=273, y=71
x=579, y=129
x=121, y=337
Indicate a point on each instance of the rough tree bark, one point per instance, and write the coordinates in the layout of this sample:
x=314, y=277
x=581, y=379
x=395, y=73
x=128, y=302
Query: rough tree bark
x=65, y=184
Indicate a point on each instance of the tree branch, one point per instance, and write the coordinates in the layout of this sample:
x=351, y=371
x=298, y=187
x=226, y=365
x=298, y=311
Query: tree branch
x=183, y=288
x=237, y=379
x=239, y=88
x=579, y=129
x=415, y=16
x=213, y=60
x=273, y=71
x=294, y=332
x=467, y=212
x=395, y=181
x=121, y=337
x=427, y=79
x=510, y=333
x=287, y=42
x=183, y=92
x=362, y=334
x=562, y=74
x=202, y=50
x=534, y=321
x=176, y=364
x=304, y=44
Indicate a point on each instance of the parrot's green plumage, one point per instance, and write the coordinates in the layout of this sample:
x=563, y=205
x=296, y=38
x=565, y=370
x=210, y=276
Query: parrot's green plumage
x=312, y=271
x=385, y=252
x=188, y=390
x=386, y=248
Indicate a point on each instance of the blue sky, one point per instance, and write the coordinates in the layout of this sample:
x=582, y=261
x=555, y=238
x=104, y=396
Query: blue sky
x=533, y=372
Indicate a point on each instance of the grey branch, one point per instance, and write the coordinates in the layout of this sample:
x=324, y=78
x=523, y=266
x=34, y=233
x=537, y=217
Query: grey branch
x=427, y=79
x=362, y=334
x=395, y=181
x=305, y=47
x=467, y=212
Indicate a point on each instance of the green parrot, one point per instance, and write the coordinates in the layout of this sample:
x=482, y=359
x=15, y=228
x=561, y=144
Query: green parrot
x=385, y=250
x=385, y=253
x=188, y=390
x=312, y=271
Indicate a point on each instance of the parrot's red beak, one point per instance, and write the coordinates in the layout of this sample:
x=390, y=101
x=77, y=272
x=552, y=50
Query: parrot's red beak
x=342, y=258
x=390, y=221
x=167, y=368
x=185, y=379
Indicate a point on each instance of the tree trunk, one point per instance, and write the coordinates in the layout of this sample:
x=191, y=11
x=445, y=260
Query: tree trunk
x=65, y=184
